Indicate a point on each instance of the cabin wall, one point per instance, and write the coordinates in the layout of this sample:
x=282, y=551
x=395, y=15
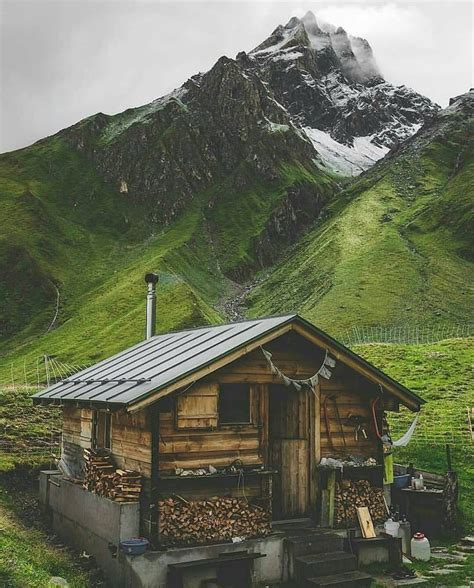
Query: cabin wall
x=347, y=394
x=131, y=441
x=130, y=438
x=77, y=435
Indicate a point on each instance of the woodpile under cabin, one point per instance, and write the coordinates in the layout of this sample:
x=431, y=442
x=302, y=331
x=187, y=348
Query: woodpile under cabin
x=211, y=435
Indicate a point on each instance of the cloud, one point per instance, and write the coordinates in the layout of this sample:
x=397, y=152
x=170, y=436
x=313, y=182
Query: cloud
x=63, y=60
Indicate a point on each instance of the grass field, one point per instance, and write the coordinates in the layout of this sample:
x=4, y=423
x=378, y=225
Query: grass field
x=440, y=372
x=29, y=555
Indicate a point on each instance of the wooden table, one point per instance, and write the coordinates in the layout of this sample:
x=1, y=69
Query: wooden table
x=423, y=508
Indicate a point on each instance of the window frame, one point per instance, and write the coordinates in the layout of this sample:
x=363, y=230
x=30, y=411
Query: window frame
x=250, y=422
x=106, y=442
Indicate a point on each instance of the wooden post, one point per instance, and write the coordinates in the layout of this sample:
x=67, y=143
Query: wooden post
x=154, y=416
x=332, y=495
x=450, y=497
x=315, y=448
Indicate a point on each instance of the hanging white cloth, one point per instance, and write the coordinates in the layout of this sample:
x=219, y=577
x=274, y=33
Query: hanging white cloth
x=406, y=438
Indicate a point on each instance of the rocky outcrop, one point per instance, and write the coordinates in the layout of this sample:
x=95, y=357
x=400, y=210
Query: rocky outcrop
x=330, y=83
x=310, y=95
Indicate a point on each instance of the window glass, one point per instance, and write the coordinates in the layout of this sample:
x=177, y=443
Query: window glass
x=234, y=404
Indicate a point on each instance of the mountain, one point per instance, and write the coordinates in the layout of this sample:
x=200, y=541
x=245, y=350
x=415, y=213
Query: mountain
x=396, y=247
x=332, y=87
x=213, y=184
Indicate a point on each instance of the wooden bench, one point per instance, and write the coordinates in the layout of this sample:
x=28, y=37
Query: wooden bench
x=233, y=570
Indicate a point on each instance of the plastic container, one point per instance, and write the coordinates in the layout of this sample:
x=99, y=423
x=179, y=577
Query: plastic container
x=391, y=527
x=419, y=484
x=401, y=481
x=420, y=547
x=135, y=546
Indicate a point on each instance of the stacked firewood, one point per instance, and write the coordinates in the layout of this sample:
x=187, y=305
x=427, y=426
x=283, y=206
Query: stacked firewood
x=102, y=478
x=216, y=519
x=350, y=495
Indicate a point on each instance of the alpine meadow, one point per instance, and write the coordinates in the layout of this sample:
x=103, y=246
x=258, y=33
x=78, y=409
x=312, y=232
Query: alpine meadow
x=293, y=178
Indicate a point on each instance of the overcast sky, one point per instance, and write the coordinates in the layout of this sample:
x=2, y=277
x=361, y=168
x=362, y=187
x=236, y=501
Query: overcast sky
x=63, y=60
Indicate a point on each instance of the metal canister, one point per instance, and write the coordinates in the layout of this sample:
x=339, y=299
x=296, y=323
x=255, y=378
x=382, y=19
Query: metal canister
x=404, y=532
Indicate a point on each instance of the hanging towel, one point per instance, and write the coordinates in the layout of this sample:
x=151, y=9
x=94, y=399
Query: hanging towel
x=406, y=438
x=388, y=468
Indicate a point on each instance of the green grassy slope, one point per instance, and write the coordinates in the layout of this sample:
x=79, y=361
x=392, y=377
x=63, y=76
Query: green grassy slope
x=442, y=374
x=396, y=246
x=65, y=231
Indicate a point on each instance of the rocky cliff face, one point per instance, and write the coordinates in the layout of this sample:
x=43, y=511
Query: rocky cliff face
x=219, y=124
x=310, y=98
x=332, y=87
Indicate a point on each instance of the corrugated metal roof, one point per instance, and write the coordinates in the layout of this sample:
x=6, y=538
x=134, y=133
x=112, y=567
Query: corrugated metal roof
x=164, y=360
x=154, y=364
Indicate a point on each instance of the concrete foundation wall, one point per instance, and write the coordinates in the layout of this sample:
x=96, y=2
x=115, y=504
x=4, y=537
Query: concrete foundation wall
x=150, y=570
x=97, y=525
x=112, y=521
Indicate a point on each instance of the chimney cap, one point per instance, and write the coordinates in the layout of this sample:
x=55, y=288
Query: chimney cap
x=151, y=278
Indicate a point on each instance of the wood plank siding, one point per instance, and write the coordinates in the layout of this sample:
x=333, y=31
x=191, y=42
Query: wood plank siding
x=287, y=430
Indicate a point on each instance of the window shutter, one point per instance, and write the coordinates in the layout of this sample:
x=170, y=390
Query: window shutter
x=197, y=409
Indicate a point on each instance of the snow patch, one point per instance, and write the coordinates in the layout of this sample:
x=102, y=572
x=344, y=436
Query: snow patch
x=287, y=56
x=274, y=127
x=346, y=160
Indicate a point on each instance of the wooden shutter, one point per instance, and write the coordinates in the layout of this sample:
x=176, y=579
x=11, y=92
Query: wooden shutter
x=197, y=409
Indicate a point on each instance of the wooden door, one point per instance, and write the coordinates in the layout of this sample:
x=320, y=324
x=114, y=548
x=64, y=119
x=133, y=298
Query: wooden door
x=289, y=447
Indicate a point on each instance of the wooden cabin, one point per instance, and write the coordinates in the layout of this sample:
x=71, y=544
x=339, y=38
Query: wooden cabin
x=208, y=412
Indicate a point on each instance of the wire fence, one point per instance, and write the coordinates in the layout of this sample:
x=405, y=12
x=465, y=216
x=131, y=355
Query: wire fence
x=34, y=375
x=404, y=334
x=453, y=425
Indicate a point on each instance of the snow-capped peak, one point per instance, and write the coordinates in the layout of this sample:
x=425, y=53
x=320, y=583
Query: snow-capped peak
x=331, y=86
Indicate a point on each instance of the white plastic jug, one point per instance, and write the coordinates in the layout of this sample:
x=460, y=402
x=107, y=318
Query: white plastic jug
x=391, y=527
x=420, y=547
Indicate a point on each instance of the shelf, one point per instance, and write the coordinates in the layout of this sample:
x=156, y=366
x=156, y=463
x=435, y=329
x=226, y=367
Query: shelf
x=220, y=476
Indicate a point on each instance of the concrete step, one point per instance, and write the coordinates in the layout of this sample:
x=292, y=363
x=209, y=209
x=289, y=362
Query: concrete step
x=315, y=542
x=352, y=579
x=287, y=525
x=322, y=564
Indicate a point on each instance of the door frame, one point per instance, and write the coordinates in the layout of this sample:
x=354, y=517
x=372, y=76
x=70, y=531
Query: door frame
x=313, y=451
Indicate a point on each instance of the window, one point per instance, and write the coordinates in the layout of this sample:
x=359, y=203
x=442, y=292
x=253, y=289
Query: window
x=101, y=429
x=234, y=404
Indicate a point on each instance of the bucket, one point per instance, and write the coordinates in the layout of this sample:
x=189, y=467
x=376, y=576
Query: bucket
x=135, y=546
x=401, y=481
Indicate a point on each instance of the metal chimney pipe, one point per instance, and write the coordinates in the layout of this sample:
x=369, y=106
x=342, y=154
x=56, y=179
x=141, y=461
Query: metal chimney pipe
x=151, y=280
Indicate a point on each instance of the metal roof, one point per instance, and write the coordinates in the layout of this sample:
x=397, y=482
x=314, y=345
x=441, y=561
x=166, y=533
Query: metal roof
x=157, y=363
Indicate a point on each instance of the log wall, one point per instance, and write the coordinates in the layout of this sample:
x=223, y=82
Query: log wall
x=346, y=394
x=184, y=445
x=131, y=441
x=130, y=436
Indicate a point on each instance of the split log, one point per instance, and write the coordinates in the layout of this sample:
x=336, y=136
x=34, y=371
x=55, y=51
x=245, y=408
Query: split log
x=185, y=522
x=102, y=478
x=350, y=495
